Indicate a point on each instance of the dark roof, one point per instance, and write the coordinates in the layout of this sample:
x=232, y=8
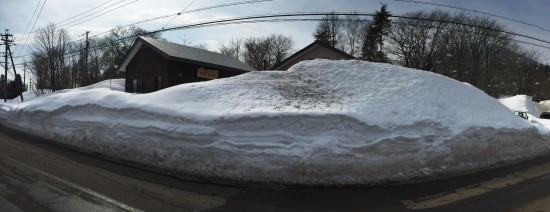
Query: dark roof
x=178, y=52
x=308, y=47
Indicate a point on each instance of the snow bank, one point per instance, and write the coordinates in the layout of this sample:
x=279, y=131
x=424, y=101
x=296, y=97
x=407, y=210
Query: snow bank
x=521, y=103
x=114, y=84
x=323, y=122
x=544, y=106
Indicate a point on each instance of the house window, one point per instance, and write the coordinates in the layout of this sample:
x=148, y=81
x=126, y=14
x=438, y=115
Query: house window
x=158, y=83
x=137, y=85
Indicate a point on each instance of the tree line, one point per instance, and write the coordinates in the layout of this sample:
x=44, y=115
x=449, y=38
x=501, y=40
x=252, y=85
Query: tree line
x=467, y=47
x=58, y=63
x=470, y=48
x=260, y=53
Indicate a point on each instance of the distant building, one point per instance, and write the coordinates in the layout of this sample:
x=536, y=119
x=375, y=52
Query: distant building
x=153, y=64
x=315, y=50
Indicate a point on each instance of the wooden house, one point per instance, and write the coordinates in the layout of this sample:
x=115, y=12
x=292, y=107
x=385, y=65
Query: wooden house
x=315, y=50
x=153, y=64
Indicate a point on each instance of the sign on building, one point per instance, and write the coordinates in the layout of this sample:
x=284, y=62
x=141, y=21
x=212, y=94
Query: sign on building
x=206, y=73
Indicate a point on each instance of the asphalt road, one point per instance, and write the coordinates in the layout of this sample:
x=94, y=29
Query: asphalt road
x=36, y=175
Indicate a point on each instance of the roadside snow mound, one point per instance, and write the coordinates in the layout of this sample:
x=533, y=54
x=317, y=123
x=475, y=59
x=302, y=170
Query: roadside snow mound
x=323, y=122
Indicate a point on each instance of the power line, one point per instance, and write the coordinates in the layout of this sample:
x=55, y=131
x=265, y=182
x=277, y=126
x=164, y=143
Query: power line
x=38, y=16
x=112, y=5
x=36, y=20
x=32, y=17
x=479, y=33
x=189, y=11
x=250, y=19
x=474, y=11
x=85, y=12
x=360, y=14
x=165, y=16
x=59, y=25
x=240, y=21
x=275, y=18
x=179, y=13
x=93, y=17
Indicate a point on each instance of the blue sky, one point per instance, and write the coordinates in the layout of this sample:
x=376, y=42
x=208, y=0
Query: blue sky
x=15, y=16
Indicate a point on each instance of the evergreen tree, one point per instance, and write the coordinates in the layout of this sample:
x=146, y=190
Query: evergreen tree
x=374, y=39
x=322, y=32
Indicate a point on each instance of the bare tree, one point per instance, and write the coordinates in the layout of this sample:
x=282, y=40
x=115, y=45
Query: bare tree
x=188, y=42
x=418, y=42
x=524, y=64
x=469, y=48
x=95, y=62
x=232, y=49
x=202, y=46
x=262, y=53
x=256, y=52
x=39, y=69
x=281, y=47
x=52, y=44
x=353, y=28
x=118, y=42
x=329, y=30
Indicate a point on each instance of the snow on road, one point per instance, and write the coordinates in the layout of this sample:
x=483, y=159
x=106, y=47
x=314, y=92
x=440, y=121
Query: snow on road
x=320, y=123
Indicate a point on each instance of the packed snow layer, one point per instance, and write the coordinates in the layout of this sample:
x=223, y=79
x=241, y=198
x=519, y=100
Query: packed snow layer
x=323, y=122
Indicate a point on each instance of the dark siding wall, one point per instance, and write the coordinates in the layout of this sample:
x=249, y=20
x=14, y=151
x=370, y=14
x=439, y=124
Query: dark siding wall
x=147, y=64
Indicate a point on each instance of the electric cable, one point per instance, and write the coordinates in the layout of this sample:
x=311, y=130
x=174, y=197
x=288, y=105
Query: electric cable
x=475, y=11
x=179, y=13
x=260, y=18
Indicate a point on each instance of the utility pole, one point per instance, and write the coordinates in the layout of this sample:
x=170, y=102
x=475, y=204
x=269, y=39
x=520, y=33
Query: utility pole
x=24, y=72
x=8, y=39
x=17, y=79
x=87, y=45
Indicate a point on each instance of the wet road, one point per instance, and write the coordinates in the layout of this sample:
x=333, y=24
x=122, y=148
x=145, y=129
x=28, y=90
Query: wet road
x=36, y=175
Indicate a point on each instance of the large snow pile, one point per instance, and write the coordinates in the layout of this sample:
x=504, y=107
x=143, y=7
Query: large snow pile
x=320, y=123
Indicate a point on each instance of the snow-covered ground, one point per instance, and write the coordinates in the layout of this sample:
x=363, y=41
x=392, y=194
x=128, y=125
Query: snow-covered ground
x=320, y=123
